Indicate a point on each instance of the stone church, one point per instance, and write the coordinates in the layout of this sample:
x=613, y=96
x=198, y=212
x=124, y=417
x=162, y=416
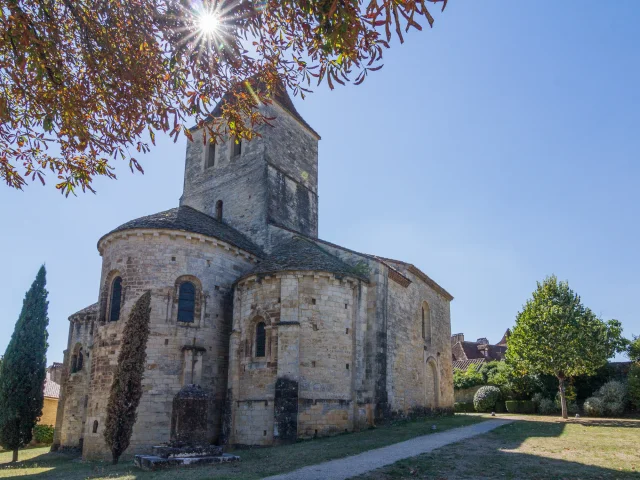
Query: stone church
x=290, y=336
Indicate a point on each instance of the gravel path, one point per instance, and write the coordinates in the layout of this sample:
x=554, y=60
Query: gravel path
x=354, y=465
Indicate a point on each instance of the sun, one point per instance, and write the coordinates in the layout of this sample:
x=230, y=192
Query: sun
x=209, y=23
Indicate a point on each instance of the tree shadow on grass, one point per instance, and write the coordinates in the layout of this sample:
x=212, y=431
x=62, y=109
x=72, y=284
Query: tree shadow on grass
x=519, y=451
x=61, y=466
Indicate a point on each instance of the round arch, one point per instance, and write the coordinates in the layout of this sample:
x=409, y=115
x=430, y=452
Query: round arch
x=432, y=384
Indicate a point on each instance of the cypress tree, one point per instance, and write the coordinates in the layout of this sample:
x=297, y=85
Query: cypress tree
x=23, y=369
x=126, y=388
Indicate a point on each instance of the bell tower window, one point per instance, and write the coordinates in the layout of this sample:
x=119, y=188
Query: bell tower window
x=219, y=210
x=237, y=148
x=211, y=155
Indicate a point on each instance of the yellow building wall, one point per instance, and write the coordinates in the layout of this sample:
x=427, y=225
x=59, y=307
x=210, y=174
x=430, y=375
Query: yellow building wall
x=49, y=410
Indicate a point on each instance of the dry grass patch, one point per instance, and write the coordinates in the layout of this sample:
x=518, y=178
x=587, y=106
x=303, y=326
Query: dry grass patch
x=533, y=447
x=256, y=463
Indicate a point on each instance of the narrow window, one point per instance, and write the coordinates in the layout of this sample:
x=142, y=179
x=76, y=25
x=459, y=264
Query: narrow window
x=116, y=297
x=426, y=322
x=219, y=210
x=260, y=340
x=74, y=364
x=186, y=302
x=211, y=155
x=95, y=426
x=237, y=148
x=80, y=361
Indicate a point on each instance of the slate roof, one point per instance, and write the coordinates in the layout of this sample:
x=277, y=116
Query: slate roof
x=87, y=310
x=464, y=364
x=382, y=260
x=188, y=219
x=51, y=388
x=300, y=254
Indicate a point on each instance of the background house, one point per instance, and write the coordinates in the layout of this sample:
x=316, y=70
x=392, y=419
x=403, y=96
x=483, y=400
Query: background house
x=465, y=353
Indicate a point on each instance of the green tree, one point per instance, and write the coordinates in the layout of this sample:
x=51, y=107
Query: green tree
x=126, y=388
x=556, y=335
x=94, y=78
x=23, y=369
x=633, y=350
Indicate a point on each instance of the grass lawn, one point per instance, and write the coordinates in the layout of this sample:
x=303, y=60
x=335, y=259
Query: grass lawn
x=256, y=463
x=533, y=447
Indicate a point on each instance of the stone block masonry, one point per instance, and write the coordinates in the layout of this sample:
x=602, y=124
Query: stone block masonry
x=288, y=336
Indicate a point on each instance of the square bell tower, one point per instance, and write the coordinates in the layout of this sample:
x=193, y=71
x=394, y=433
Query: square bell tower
x=270, y=180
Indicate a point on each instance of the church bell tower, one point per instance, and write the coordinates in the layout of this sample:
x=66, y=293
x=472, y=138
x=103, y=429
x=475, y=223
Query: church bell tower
x=271, y=180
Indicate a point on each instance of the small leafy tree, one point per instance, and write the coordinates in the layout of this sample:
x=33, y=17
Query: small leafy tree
x=126, y=388
x=556, y=335
x=633, y=350
x=467, y=378
x=23, y=369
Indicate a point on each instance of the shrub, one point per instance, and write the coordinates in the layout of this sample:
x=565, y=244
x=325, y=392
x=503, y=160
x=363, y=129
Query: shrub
x=520, y=406
x=463, y=407
x=547, y=406
x=537, y=398
x=609, y=400
x=467, y=378
x=593, y=406
x=633, y=385
x=613, y=392
x=486, y=398
x=43, y=434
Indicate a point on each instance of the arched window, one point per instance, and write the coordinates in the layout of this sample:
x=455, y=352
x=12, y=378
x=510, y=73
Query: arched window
x=219, y=210
x=426, y=322
x=186, y=302
x=116, y=298
x=74, y=364
x=80, y=361
x=261, y=340
x=95, y=426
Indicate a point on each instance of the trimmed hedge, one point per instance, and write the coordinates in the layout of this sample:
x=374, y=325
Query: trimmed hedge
x=486, y=398
x=520, y=406
x=463, y=407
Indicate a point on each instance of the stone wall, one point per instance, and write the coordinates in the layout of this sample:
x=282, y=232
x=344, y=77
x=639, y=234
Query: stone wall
x=307, y=385
x=420, y=370
x=398, y=368
x=465, y=395
x=178, y=353
x=74, y=387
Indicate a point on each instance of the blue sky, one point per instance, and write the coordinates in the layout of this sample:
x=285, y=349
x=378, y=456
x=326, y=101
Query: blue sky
x=500, y=147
